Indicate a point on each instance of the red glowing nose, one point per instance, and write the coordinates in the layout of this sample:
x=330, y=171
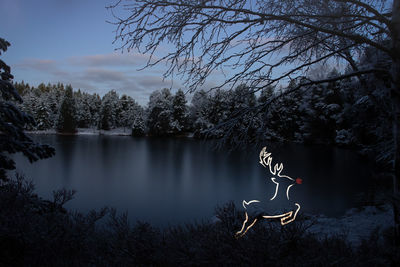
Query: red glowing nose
x=299, y=180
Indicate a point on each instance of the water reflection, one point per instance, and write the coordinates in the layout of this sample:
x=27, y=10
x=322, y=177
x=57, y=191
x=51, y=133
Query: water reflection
x=178, y=180
x=67, y=156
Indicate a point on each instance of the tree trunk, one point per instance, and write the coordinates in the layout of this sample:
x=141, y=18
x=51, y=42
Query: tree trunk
x=395, y=95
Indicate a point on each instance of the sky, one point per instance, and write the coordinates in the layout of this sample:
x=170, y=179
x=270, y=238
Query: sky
x=70, y=41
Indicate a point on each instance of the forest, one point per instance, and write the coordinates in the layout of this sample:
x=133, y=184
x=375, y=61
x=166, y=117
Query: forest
x=351, y=113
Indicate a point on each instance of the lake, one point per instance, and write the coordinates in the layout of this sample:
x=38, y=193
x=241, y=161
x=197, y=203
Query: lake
x=176, y=180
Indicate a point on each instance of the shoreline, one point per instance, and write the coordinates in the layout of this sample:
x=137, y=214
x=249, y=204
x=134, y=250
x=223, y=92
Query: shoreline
x=91, y=131
x=85, y=131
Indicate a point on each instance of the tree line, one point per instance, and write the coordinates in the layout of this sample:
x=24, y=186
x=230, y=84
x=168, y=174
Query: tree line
x=350, y=112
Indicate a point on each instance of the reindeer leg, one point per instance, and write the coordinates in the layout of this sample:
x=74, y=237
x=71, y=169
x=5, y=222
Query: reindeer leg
x=283, y=220
x=251, y=225
x=287, y=216
x=238, y=233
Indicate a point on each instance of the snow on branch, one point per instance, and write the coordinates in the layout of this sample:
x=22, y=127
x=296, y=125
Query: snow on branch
x=250, y=40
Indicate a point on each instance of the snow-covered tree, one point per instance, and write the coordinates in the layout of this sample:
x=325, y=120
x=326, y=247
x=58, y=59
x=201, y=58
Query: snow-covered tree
x=94, y=103
x=42, y=115
x=66, y=122
x=219, y=111
x=265, y=95
x=239, y=104
x=179, y=122
x=160, y=113
x=86, y=109
x=127, y=114
x=30, y=104
x=53, y=100
x=21, y=87
x=13, y=139
x=199, y=113
x=108, y=113
x=139, y=122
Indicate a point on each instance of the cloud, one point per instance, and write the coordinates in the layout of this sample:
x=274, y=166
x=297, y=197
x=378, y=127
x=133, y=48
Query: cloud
x=153, y=81
x=38, y=64
x=102, y=75
x=110, y=60
x=99, y=74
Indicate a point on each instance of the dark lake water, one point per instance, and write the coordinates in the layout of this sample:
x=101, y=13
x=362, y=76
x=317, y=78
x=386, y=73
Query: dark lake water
x=169, y=181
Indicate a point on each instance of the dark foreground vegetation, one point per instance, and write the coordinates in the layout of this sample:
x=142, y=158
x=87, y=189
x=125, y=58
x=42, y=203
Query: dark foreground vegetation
x=37, y=232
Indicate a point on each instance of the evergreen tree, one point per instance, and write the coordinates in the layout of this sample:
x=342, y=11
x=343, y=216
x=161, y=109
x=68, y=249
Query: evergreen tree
x=54, y=100
x=199, y=113
x=94, y=103
x=42, y=117
x=128, y=108
x=21, y=87
x=265, y=95
x=139, y=122
x=12, y=121
x=66, y=122
x=160, y=113
x=219, y=110
x=109, y=107
x=179, y=113
x=281, y=118
x=105, y=117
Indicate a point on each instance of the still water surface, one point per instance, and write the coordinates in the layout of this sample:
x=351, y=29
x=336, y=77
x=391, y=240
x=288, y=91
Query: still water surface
x=169, y=181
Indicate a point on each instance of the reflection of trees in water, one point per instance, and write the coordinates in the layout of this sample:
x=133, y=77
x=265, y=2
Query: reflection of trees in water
x=166, y=158
x=66, y=152
x=332, y=177
x=178, y=159
x=113, y=154
x=189, y=174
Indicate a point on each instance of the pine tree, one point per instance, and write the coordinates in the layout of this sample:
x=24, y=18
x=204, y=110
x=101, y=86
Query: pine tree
x=265, y=94
x=199, y=113
x=219, y=110
x=160, y=113
x=109, y=107
x=12, y=121
x=139, y=122
x=66, y=122
x=94, y=103
x=42, y=117
x=179, y=113
x=127, y=111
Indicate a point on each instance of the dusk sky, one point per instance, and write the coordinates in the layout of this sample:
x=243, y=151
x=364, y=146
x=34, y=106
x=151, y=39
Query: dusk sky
x=71, y=42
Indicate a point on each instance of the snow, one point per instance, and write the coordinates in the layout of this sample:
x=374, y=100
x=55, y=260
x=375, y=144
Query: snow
x=355, y=224
x=48, y=131
x=89, y=131
x=116, y=131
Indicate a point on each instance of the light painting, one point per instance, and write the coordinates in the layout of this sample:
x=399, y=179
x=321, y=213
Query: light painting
x=277, y=179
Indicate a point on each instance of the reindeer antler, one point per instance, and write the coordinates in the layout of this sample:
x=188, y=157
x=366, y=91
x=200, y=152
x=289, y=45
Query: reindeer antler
x=265, y=155
x=266, y=161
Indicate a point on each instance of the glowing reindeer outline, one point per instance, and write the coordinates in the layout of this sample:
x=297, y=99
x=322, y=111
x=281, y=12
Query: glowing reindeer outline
x=288, y=217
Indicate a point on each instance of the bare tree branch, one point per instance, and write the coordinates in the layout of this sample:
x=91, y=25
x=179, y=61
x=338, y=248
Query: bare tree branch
x=247, y=37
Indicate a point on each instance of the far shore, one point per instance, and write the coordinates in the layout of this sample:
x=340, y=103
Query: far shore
x=86, y=131
x=93, y=131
